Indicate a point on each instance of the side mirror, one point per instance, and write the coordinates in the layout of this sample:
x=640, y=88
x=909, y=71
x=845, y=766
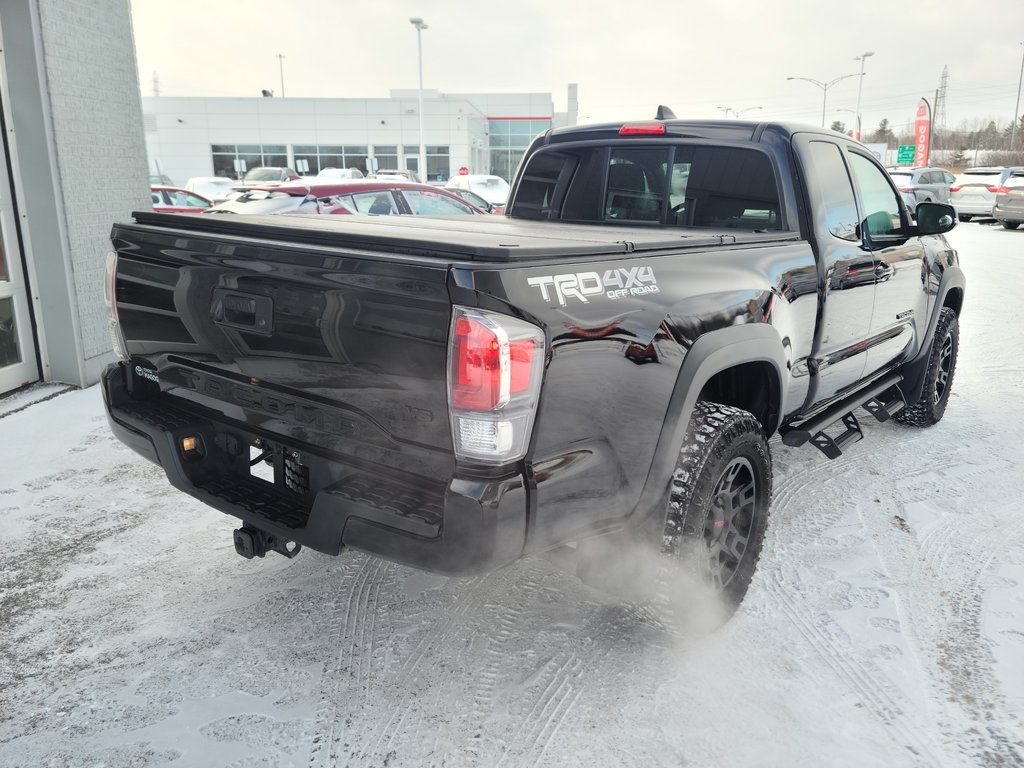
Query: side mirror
x=935, y=218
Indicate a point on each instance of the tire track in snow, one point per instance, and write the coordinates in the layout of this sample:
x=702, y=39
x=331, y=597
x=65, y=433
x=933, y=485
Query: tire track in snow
x=389, y=725
x=359, y=583
x=947, y=630
x=870, y=686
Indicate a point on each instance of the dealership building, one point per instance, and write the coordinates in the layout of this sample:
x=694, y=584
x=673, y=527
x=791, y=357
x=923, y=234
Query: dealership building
x=486, y=133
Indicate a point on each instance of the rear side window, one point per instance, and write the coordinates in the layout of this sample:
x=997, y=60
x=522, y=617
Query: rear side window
x=434, y=204
x=697, y=186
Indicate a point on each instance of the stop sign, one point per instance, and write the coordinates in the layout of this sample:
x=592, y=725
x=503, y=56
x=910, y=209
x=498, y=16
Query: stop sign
x=463, y=171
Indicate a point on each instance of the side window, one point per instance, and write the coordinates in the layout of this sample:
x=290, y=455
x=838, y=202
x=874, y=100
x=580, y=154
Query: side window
x=196, y=202
x=949, y=177
x=880, y=200
x=434, y=204
x=375, y=203
x=836, y=207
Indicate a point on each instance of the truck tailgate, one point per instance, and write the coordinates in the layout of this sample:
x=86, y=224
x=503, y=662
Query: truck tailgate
x=328, y=349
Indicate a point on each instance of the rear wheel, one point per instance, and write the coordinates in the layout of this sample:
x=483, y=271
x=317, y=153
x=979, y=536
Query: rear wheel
x=718, y=506
x=938, y=379
x=692, y=564
x=964, y=216
x=1010, y=224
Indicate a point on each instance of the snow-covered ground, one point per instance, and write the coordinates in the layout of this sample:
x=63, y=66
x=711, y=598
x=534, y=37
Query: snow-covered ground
x=885, y=626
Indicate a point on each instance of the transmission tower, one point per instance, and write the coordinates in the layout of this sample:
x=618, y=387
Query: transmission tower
x=940, y=98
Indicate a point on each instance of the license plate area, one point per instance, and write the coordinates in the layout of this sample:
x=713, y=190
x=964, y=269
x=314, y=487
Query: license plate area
x=279, y=466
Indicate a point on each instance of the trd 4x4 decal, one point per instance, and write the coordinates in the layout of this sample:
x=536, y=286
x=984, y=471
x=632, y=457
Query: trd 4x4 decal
x=614, y=284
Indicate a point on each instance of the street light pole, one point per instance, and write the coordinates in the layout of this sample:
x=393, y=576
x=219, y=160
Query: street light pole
x=727, y=110
x=280, y=65
x=860, y=85
x=824, y=90
x=417, y=22
x=1016, y=107
x=739, y=112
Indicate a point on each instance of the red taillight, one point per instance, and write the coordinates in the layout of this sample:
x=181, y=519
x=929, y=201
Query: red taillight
x=637, y=129
x=482, y=380
x=495, y=365
x=992, y=188
x=1001, y=190
x=955, y=189
x=476, y=366
x=907, y=189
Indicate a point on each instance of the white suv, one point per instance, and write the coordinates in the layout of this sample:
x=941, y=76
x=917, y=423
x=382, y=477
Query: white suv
x=974, y=191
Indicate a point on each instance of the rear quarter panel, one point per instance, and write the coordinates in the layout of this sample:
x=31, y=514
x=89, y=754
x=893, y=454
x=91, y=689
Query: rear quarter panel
x=615, y=355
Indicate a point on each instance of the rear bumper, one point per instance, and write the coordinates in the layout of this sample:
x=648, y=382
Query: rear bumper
x=974, y=207
x=467, y=526
x=1008, y=212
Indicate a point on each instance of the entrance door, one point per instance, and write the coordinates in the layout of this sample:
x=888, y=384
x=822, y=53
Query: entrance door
x=17, y=350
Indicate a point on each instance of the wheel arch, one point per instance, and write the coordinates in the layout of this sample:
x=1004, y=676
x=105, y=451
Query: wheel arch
x=950, y=295
x=746, y=364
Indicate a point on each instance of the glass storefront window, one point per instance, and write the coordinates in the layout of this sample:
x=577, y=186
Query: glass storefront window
x=9, y=353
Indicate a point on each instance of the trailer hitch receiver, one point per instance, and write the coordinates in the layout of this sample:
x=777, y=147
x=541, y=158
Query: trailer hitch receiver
x=253, y=542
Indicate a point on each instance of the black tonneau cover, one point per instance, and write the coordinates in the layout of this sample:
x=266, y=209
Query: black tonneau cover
x=472, y=238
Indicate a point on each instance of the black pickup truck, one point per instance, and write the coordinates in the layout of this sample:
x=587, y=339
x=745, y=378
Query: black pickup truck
x=607, y=360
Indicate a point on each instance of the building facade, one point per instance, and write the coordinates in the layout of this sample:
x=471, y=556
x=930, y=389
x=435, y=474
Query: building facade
x=75, y=162
x=487, y=133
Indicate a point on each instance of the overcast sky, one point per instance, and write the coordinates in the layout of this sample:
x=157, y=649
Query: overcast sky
x=627, y=56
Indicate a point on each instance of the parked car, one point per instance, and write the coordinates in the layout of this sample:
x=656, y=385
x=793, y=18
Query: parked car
x=493, y=189
x=267, y=175
x=389, y=173
x=475, y=199
x=922, y=185
x=1008, y=209
x=340, y=173
x=370, y=197
x=178, y=200
x=216, y=188
x=974, y=191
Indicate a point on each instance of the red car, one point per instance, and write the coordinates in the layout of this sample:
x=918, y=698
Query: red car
x=177, y=200
x=369, y=197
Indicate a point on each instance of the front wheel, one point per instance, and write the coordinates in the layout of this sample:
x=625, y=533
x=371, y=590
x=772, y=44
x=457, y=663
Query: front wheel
x=938, y=379
x=1010, y=224
x=718, y=505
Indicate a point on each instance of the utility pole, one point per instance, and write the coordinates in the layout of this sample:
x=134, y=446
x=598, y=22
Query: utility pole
x=280, y=65
x=860, y=87
x=1016, y=107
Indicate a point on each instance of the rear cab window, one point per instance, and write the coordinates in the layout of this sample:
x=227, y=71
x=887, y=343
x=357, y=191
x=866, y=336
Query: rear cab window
x=677, y=185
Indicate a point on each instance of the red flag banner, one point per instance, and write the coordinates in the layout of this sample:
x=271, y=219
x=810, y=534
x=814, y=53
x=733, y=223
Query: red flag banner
x=922, y=133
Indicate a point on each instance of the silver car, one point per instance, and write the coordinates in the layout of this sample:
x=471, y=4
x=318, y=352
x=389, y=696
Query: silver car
x=1008, y=209
x=922, y=185
x=974, y=191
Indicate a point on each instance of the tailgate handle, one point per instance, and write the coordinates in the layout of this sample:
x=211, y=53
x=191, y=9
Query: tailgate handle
x=243, y=311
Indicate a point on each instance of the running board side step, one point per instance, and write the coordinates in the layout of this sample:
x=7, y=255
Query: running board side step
x=882, y=399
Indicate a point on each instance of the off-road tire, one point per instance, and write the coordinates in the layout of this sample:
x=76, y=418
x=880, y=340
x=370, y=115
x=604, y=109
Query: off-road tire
x=938, y=379
x=718, y=505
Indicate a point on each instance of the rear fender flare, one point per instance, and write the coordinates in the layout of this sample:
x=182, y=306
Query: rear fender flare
x=914, y=370
x=712, y=353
